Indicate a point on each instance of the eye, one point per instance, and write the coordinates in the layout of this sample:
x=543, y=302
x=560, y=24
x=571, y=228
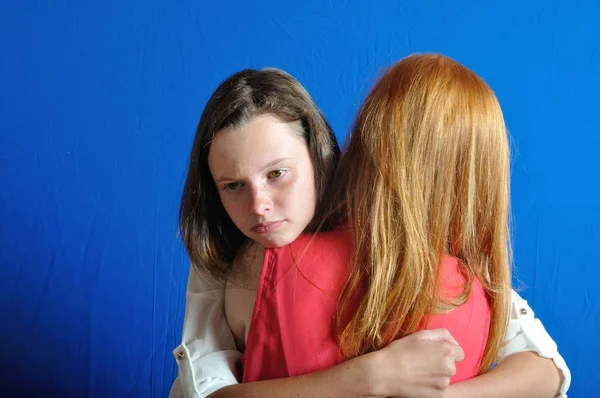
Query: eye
x=233, y=186
x=277, y=173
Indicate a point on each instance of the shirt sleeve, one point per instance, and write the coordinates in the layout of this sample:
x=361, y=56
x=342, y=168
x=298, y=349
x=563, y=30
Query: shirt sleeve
x=526, y=333
x=207, y=355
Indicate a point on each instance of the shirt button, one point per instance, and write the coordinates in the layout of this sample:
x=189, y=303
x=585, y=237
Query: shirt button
x=523, y=311
x=181, y=355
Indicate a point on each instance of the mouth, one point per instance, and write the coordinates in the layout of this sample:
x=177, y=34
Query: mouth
x=266, y=227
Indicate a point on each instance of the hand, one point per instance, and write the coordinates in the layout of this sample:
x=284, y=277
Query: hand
x=419, y=365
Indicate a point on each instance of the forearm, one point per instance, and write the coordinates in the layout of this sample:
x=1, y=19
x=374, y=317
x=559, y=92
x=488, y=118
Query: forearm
x=348, y=379
x=522, y=375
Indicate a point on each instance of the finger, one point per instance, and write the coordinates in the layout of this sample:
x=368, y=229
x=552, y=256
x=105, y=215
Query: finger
x=457, y=352
x=437, y=335
x=449, y=367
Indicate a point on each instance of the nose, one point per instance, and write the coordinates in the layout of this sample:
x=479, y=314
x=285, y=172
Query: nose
x=261, y=201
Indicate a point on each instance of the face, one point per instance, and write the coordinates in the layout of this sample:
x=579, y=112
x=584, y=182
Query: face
x=265, y=179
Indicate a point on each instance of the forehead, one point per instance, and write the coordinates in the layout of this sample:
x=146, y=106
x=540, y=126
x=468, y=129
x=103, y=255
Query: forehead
x=256, y=143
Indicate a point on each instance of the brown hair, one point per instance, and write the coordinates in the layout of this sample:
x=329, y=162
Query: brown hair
x=210, y=237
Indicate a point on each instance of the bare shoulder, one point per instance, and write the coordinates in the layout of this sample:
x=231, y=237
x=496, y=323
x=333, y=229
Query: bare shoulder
x=247, y=266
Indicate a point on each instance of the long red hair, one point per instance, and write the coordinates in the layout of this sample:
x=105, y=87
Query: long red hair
x=425, y=174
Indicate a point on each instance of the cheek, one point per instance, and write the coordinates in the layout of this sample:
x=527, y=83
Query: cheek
x=234, y=208
x=310, y=190
x=298, y=193
x=305, y=196
x=311, y=200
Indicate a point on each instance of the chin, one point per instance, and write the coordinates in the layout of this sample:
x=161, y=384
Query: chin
x=277, y=241
x=274, y=243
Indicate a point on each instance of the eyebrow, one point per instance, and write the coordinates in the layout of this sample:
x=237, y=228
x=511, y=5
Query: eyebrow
x=266, y=166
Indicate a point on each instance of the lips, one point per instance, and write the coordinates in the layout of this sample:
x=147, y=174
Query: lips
x=266, y=227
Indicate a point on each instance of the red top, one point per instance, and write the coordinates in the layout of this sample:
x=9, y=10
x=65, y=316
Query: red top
x=292, y=327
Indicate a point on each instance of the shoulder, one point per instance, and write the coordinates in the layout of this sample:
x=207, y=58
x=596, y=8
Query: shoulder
x=247, y=265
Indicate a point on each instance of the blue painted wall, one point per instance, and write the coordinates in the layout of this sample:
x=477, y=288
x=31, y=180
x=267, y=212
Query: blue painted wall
x=98, y=106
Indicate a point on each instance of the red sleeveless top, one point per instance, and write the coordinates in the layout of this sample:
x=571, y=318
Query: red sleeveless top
x=292, y=327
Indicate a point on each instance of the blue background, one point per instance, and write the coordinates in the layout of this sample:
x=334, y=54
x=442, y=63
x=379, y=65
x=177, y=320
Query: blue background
x=98, y=106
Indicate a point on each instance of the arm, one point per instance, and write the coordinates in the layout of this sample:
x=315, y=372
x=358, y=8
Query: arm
x=529, y=364
x=348, y=379
x=206, y=359
x=419, y=365
x=207, y=354
x=525, y=375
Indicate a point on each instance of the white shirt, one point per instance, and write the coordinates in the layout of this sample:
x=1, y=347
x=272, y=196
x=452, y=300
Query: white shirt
x=207, y=354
